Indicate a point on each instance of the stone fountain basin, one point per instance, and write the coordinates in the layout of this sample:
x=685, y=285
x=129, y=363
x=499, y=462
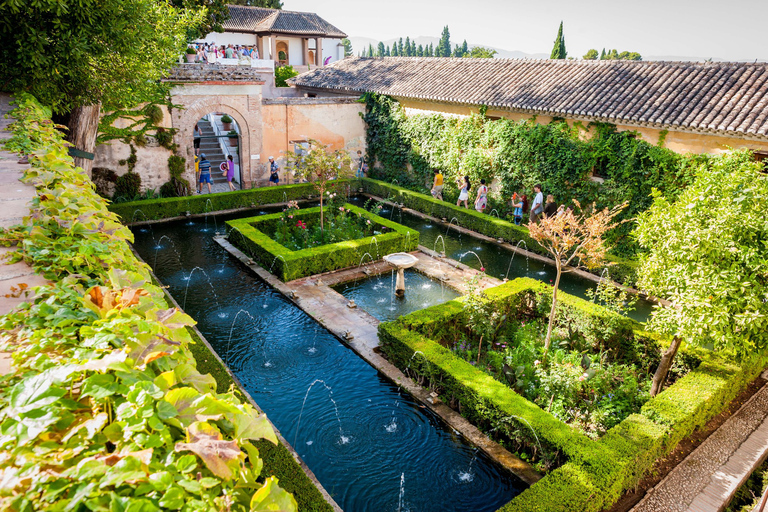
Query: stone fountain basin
x=401, y=260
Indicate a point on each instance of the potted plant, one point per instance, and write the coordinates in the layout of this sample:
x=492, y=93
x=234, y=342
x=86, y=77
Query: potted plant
x=232, y=137
x=191, y=54
x=226, y=122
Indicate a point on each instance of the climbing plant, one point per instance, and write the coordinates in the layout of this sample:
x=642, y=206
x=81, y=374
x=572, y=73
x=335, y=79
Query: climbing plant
x=514, y=155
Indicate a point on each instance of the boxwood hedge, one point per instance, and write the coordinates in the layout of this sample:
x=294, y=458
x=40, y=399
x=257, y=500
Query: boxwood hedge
x=619, y=269
x=289, y=265
x=594, y=473
x=154, y=209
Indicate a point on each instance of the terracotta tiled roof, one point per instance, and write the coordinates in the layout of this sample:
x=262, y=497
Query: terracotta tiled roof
x=728, y=98
x=275, y=21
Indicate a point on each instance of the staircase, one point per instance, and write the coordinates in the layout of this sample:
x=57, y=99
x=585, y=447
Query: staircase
x=212, y=149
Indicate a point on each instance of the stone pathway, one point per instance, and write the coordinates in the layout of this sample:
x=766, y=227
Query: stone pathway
x=16, y=280
x=359, y=331
x=707, y=478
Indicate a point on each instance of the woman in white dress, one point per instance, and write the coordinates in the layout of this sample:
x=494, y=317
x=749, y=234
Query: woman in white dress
x=464, y=192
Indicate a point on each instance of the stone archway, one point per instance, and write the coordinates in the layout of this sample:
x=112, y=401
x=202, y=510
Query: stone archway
x=184, y=121
x=282, y=56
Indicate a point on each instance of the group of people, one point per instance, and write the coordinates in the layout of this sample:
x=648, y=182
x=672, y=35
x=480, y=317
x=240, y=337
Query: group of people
x=210, y=53
x=203, y=172
x=464, y=185
x=520, y=202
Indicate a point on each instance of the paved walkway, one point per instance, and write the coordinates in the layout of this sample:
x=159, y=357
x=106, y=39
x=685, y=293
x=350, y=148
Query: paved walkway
x=707, y=478
x=15, y=200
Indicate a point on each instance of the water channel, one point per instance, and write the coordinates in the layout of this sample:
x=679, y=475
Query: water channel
x=358, y=432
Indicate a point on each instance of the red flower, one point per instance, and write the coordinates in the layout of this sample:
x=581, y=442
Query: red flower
x=301, y=225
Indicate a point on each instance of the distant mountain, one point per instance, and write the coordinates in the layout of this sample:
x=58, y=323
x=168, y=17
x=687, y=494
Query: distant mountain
x=360, y=43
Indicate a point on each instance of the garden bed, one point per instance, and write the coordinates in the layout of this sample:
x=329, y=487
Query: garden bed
x=585, y=473
x=258, y=237
x=170, y=207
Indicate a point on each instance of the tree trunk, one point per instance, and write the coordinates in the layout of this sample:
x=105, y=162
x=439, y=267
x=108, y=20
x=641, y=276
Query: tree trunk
x=321, y=209
x=548, y=340
x=660, y=377
x=83, y=128
x=479, y=346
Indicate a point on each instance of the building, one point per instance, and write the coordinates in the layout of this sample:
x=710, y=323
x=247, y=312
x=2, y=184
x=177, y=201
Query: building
x=693, y=107
x=300, y=39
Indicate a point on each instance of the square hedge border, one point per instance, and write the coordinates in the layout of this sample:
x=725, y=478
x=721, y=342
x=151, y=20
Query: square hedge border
x=597, y=472
x=169, y=207
x=289, y=265
x=620, y=270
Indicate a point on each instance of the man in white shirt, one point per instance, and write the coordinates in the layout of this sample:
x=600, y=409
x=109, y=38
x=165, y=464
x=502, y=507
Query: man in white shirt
x=538, y=204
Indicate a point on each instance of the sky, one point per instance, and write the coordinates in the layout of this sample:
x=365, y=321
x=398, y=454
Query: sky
x=724, y=30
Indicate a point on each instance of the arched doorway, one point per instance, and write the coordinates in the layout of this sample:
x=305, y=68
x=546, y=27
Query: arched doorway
x=216, y=139
x=282, y=53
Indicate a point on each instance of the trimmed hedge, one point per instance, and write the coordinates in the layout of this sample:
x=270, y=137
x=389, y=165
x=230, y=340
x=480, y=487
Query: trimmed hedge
x=596, y=472
x=289, y=265
x=620, y=270
x=154, y=209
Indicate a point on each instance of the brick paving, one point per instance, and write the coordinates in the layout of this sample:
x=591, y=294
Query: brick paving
x=706, y=480
x=15, y=202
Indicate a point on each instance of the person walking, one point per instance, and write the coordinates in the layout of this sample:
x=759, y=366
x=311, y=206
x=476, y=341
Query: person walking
x=464, y=191
x=482, y=197
x=197, y=174
x=437, y=186
x=230, y=173
x=205, y=173
x=537, y=208
x=362, y=167
x=274, y=177
x=196, y=134
x=550, y=207
x=517, y=204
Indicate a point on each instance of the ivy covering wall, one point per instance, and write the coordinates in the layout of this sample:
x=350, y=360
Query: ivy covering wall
x=515, y=155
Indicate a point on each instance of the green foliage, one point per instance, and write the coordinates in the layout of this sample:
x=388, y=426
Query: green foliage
x=104, y=181
x=340, y=225
x=520, y=154
x=226, y=119
x=559, y=51
x=176, y=186
x=250, y=234
x=444, y=45
x=283, y=73
x=127, y=186
x=348, y=52
x=104, y=407
x=615, y=55
x=270, y=4
x=115, y=52
x=593, y=474
x=591, y=55
x=480, y=52
x=707, y=255
x=176, y=207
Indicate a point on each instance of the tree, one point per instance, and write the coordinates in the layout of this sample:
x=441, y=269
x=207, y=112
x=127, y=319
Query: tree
x=708, y=257
x=573, y=238
x=283, y=73
x=394, y=50
x=602, y=54
x=480, y=52
x=370, y=50
x=430, y=51
x=271, y=4
x=444, y=45
x=591, y=55
x=630, y=56
x=380, y=50
x=464, y=48
x=388, y=53
x=400, y=48
x=408, y=47
x=347, y=47
x=90, y=55
x=420, y=51
x=319, y=166
x=558, y=51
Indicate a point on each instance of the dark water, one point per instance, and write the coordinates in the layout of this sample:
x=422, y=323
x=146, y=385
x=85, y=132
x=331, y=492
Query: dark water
x=495, y=259
x=379, y=434
x=375, y=294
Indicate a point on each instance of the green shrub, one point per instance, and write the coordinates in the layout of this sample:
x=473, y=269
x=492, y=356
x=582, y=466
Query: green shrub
x=176, y=186
x=226, y=119
x=289, y=265
x=283, y=73
x=128, y=186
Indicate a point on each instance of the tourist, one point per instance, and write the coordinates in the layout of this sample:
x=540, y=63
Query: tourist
x=274, y=177
x=211, y=54
x=538, y=204
x=255, y=53
x=517, y=204
x=229, y=52
x=196, y=133
x=362, y=167
x=481, y=202
x=197, y=173
x=230, y=172
x=464, y=191
x=550, y=208
x=205, y=173
x=437, y=186
x=201, y=55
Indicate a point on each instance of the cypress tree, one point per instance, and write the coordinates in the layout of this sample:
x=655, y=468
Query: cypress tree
x=464, y=49
x=420, y=51
x=558, y=51
x=432, y=50
x=400, y=48
x=388, y=54
x=444, y=45
x=602, y=55
x=394, y=50
x=380, y=51
x=370, y=50
x=407, y=46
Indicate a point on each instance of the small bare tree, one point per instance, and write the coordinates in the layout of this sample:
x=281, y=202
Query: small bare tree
x=573, y=239
x=319, y=166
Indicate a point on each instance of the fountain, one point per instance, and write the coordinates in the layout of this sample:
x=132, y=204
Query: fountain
x=401, y=261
